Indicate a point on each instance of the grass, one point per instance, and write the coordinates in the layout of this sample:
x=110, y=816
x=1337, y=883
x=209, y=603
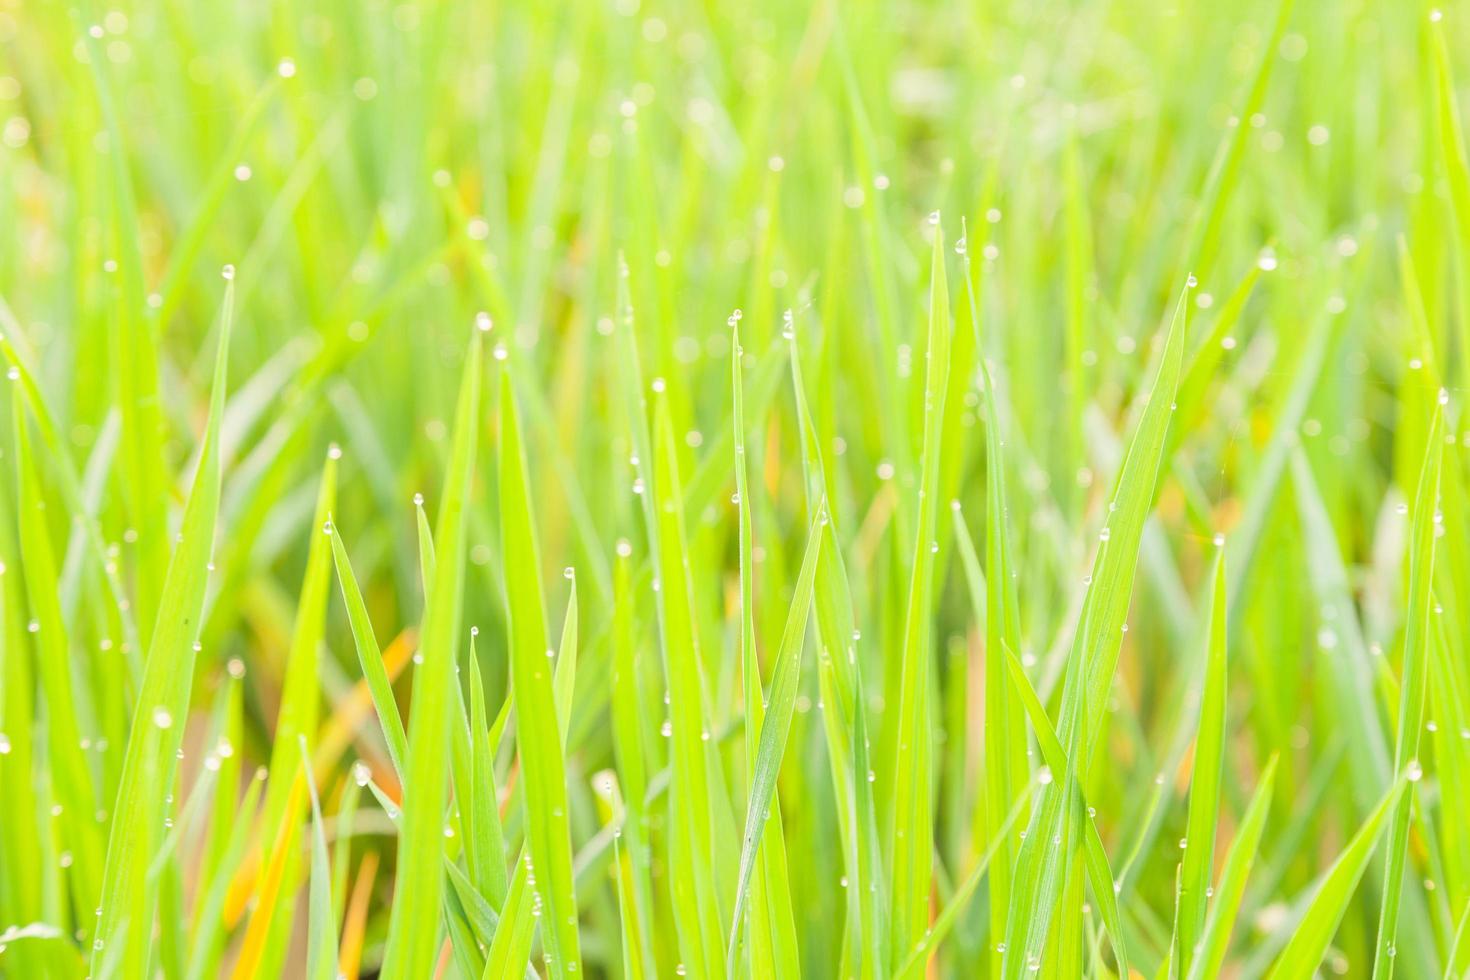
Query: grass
x=628, y=489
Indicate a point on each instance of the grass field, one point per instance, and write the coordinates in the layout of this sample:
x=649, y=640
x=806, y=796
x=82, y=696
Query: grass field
x=622, y=488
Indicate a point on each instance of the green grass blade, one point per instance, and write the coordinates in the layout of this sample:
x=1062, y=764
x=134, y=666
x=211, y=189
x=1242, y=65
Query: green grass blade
x=1412, y=688
x=628, y=735
x=1204, y=789
x=413, y=936
x=72, y=781
x=370, y=657
x=692, y=846
x=538, y=733
x=1095, y=858
x=844, y=719
x=1308, y=944
x=162, y=705
x=488, y=870
x=301, y=693
x=321, y=940
x=1204, y=235
x=1210, y=951
x=1128, y=509
x=780, y=705
x=772, y=933
x=911, y=831
x=1456, y=165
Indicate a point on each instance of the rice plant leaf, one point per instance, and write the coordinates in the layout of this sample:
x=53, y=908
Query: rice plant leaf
x=1099, y=874
x=1308, y=944
x=1128, y=509
x=72, y=780
x=489, y=866
x=628, y=738
x=162, y=704
x=413, y=931
x=321, y=939
x=697, y=912
x=1412, y=688
x=912, y=825
x=301, y=693
x=257, y=932
x=1210, y=951
x=844, y=718
x=1456, y=164
x=780, y=705
x=994, y=603
x=538, y=732
x=1205, y=228
x=1204, y=790
x=944, y=922
x=772, y=931
x=369, y=656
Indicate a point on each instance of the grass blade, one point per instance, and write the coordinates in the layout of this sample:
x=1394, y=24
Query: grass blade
x=413, y=932
x=1210, y=951
x=1417, y=638
x=538, y=733
x=911, y=832
x=162, y=705
x=1304, y=952
x=780, y=704
x=1204, y=790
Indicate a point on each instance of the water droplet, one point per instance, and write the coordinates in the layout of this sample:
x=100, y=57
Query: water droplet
x=162, y=718
x=227, y=272
x=934, y=217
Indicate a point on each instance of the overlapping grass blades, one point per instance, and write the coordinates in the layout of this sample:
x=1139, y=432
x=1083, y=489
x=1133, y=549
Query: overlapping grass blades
x=420, y=879
x=121, y=939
